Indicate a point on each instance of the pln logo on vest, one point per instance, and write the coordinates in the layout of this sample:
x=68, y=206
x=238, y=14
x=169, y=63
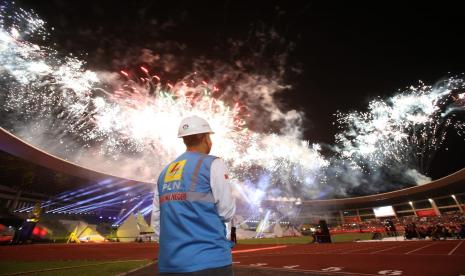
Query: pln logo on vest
x=174, y=171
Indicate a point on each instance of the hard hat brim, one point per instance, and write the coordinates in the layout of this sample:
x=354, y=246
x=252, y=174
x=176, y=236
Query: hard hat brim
x=194, y=133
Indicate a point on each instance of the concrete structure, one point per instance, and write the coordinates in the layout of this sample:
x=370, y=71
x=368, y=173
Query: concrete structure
x=12, y=199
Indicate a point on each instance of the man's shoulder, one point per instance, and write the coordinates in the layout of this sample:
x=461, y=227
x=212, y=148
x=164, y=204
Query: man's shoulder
x=209, y=159
x=216, y=160
x=214, y=157
x=218, y=164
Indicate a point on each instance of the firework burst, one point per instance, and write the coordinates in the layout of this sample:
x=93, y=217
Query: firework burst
x=125, y=123
x=401, y=134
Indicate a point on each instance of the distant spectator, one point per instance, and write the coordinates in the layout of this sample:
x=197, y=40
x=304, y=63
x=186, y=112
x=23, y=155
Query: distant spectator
x=462, y=231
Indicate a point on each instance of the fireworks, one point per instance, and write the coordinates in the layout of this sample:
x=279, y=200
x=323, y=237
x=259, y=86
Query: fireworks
x=118, y=123
x=125, y=123
x=403, y=130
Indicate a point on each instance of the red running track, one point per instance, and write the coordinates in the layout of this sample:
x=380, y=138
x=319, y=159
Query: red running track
x=366, y=258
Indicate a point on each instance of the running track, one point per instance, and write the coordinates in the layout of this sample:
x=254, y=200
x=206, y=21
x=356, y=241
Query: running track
x=366, y=258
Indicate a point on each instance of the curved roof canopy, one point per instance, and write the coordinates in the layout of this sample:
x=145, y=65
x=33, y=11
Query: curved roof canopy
x=15, y=146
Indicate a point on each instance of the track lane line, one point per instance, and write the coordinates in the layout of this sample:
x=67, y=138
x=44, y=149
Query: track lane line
x=340, y=248
x=420, y=248
x=455, y=248
x=307, y=250
x=258, y=249
x=296, y=254
x=386, y=249
x=377, y=246
x=319, y=272
x=38, y=271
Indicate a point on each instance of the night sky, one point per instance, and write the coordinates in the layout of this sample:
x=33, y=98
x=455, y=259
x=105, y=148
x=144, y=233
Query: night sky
x=346, y=54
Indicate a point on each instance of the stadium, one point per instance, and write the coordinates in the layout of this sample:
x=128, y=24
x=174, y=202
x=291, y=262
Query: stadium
x=301, y=139
x=278, y=250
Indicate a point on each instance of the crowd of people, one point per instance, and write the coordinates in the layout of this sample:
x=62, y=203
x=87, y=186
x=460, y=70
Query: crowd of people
x=443, y=227
x=446, y=226
x=373, y=225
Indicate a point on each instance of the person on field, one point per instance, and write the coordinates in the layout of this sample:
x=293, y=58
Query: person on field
x=195, y=200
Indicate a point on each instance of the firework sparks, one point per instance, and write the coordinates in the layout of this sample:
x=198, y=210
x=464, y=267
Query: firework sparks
x=128, y=122
x=402, y=131
x=118, y=122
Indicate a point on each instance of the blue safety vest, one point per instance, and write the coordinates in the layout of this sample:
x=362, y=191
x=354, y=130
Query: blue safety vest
x=192, y=235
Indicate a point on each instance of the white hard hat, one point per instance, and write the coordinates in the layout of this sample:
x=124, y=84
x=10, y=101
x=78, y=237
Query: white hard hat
x=193, y=125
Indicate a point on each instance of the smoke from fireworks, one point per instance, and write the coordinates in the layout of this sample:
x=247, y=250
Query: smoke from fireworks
x=118, y=122
x=397, y=138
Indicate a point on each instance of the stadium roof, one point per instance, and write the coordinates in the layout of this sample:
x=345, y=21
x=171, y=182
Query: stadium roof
x=15, y=146
x=453, y=183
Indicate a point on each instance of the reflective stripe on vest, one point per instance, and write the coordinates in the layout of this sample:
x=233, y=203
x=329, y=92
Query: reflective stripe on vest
x=189, y=196
x=195, y=176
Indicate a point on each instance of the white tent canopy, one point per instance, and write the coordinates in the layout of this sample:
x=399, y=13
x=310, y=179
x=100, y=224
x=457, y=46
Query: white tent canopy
x=81, y=231
x=133, y=228
x=278, y=230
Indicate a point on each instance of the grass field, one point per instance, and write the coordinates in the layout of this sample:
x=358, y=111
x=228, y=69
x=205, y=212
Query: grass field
x=71, y=267
x=307, y=239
